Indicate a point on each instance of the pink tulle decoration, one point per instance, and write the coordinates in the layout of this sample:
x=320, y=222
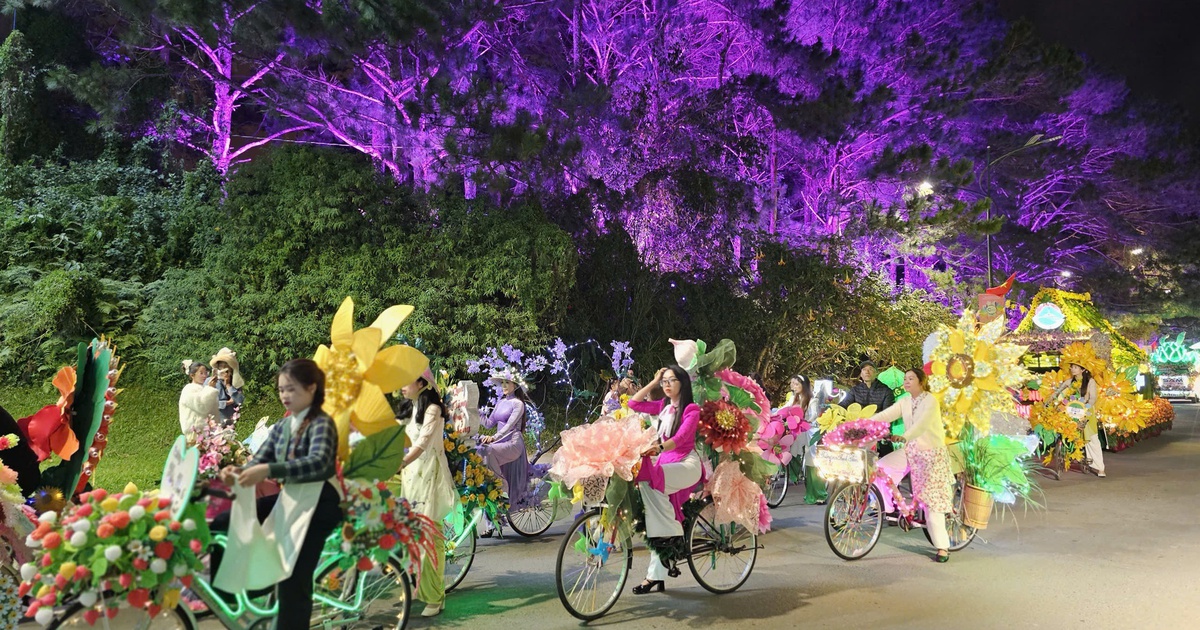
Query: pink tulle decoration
x=735, y=497
x=603, y=448
x=752, y=388
x=861, y=433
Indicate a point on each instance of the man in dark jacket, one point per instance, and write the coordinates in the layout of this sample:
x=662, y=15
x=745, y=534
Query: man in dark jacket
x=870, y=391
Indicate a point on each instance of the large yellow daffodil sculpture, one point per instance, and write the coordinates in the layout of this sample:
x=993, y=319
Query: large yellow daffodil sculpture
x=971, y=369
x=358, y=370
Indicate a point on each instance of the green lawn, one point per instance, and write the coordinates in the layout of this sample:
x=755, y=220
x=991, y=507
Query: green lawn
x=143, y=428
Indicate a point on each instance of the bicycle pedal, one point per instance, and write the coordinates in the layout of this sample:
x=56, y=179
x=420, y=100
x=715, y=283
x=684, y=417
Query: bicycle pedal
x=674, y=572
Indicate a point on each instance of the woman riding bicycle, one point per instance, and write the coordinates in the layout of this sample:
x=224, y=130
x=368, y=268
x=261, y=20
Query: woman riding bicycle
x=301, y=452
x=504, y=452
x=675, y=467
x=1083, y=385
x=925, y=456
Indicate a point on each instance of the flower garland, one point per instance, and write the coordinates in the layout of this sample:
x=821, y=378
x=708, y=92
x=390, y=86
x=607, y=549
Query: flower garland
x=476, y=483
x=724, y=427
x=125, y=545
x=861, y=433
x=378, y=523
x=218, y=446
x=971, y=371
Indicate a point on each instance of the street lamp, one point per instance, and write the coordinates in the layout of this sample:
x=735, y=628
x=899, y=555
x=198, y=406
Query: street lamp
x=1065, y=274
x=1137, y=252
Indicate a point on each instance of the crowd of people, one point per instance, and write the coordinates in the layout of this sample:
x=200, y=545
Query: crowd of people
x=301, y=451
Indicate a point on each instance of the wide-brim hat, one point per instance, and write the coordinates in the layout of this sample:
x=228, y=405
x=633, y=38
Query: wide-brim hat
x=230, y=357
x=509, y=375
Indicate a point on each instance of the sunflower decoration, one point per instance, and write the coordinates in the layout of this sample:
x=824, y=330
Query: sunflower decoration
x=1120, y=407
x=837, y=415
x=1084, y=355
x=971, y=371
x=723, y=426
x=358, y=370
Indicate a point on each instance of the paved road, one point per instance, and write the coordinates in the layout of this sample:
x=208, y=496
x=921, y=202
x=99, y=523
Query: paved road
x=1121, y=552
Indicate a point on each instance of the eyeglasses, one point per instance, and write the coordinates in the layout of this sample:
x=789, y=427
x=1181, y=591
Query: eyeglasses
x=669, y=381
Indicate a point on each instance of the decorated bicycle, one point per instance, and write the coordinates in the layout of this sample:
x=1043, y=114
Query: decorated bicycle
x=127, y=555
x=721, y=517
x=971, y=369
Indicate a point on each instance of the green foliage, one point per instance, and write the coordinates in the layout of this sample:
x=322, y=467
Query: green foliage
x=378, y=456
x=81, y=240
x=18, y=78
x=820, y=316
x=302, y=229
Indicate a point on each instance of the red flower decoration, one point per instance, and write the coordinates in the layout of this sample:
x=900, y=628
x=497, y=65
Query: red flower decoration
x=723, y=426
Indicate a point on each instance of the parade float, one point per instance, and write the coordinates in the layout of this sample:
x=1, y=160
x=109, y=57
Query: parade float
x=1174, y=365
x=1063, y=328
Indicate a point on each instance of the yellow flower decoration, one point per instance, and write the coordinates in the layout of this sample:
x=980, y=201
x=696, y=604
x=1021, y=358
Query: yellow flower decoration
x=836, y=415
x=971, y=369
x=1084, y=355
x=358, y=371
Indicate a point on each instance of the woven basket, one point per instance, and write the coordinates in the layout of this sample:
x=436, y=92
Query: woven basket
x=977, y=506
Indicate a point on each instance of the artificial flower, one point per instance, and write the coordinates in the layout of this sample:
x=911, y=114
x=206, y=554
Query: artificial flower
x=602, y=448
x=49, y=429
x=971, y=371
x=358, y=371
x=860, y=433
x=723, y=426
x=835, y=415
x=776, y=442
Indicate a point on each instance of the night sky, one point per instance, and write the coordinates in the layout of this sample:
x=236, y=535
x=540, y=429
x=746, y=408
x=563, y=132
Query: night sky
x=1153, y=44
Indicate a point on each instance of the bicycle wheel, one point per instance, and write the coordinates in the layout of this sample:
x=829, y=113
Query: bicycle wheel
x=74, y=616
x=853, y=520
x=722, y=556
x=534, y=520
x=777, y=487
x=461, y=538
x=960, y=533
x=592, y=567
x=379, y=598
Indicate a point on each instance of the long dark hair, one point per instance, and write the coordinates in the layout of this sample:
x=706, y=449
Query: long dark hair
x=306, y=372
x=428, y=397
x=520, y=395
x=1085, y=379
x=685, y=393
x=805, y=389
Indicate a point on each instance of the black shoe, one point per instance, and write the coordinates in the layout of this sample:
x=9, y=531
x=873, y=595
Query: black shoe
x=674, y=571
x=649, y=587
x=489, y=533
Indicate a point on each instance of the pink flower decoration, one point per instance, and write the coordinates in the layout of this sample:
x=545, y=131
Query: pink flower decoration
x=776, y=443
x=603, y=448
x=861, y=433
x=793, y=417
x=752, y=388
x=736, y=498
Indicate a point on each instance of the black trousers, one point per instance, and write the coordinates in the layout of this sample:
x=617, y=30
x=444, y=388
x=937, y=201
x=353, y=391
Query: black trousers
x=295, y=593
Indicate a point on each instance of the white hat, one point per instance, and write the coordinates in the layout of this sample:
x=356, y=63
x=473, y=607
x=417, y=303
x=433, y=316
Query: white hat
x=230, y=357
x=509, y=375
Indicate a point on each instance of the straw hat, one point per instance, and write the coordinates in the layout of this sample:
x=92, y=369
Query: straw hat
x=230, y=357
